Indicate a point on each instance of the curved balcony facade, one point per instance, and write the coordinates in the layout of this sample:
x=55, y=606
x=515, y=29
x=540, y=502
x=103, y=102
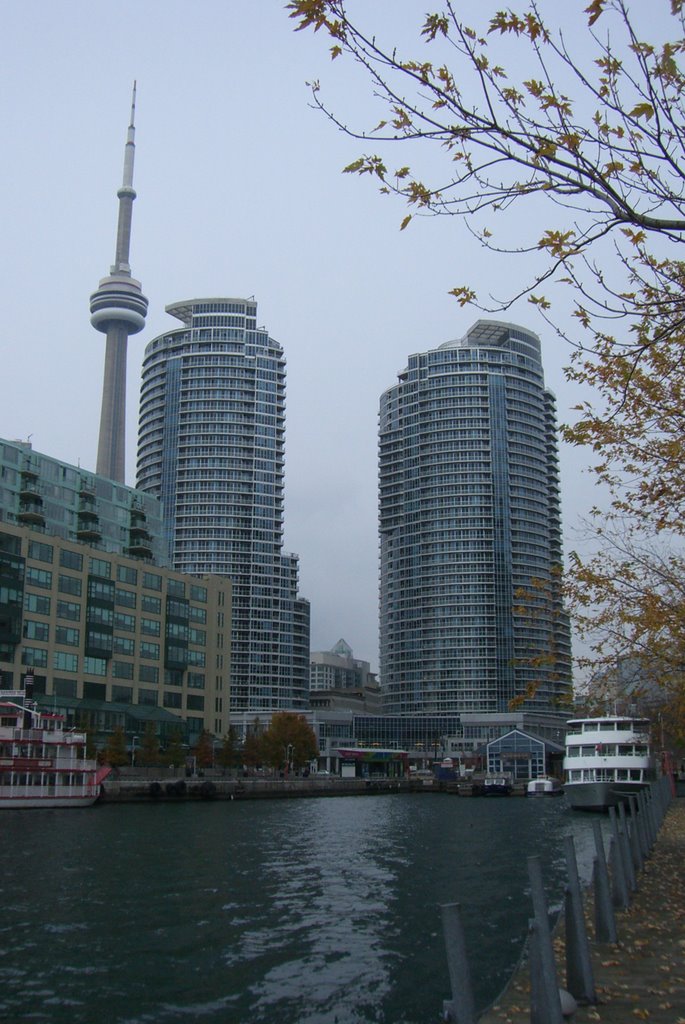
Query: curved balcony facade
x=211, y=447
x=471, y=617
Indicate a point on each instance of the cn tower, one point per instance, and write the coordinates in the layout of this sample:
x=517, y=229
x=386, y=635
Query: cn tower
x=118, y=309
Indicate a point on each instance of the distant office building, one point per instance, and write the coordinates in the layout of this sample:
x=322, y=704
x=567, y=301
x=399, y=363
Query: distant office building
x=110, y=637
x=118, y=309
x=338, y=669
x=211, y=447
x=66, y=501
x=471, y=616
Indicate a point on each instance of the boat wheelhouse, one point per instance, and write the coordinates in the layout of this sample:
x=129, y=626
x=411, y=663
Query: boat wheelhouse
x=607, y=760
x=42, y=763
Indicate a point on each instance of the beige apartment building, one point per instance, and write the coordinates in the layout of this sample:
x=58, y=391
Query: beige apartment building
x=120, y=639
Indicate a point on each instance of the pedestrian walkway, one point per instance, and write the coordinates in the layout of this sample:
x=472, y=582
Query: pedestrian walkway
x=642, y=977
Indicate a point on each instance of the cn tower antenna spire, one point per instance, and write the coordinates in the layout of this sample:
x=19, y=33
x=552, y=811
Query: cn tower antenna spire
x=118, y=309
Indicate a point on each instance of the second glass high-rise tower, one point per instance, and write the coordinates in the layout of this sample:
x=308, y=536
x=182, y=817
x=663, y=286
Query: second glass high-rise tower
x=471, y=617
x=211, y=447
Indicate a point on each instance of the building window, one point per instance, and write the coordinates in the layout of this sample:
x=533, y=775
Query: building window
x=100, y=567
x=122, y=669
x=94, y=667
x=38, y=577
x=125, y=574
x=177, y=609
x=176, y=588
x=71, y=560
x=36, y=630
x=67, y=635
x=99, y=643
x=151, y=581
x=151, y=604
x=125, y=622
x=64, y=662
x=148, y=674
x=150, y=627
x=148, y=697
x=69, y=610
x=122, y=694
x=37, y=603
x=198, y=594
x=177, y=630
x=198, y=615
x=95, y=613
x=123, y=645
x=40, y=552
x=64, y=687
x=172, y=677
x=125, y=598
x=149, y=650
x=194, y=702
x=173, y=700
x=196, y=680
x=101, y=590
x=69, y=585
x=37, y=656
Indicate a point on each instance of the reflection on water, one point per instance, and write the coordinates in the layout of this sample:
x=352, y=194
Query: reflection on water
x=301, y=912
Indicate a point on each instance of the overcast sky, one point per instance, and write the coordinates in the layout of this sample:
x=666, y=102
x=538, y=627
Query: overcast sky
x=240, y=193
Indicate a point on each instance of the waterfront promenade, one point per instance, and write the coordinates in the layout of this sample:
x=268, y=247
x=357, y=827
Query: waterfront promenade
x=642, y=977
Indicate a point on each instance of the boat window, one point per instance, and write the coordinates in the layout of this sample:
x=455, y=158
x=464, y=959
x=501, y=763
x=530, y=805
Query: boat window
x=587, y=751
x=607, y=726
x=605, y=775
x=573, y=752
x=635, y=774
x=622, y=774
x=624, y=750
x=576, y=775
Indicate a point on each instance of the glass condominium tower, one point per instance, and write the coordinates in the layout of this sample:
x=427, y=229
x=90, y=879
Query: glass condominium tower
x=211, y=447
x=471, y=616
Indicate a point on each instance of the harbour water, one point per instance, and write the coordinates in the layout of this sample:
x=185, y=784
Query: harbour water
x=320, y=911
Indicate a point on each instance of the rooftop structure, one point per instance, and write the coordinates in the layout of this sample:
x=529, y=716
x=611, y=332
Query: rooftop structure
x=338, y=669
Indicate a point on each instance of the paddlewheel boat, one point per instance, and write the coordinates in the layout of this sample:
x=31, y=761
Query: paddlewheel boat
x=607, y=760
x=42, y=763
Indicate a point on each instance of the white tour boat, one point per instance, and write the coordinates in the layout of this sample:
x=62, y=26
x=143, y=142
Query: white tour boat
x=607, y=760
x=43, y=764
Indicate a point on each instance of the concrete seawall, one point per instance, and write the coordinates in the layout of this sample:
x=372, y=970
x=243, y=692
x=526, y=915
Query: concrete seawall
x=149, y=785
x=170, y=789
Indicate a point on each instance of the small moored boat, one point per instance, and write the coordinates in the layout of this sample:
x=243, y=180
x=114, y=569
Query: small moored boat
x=492, y=785
x=544, y=785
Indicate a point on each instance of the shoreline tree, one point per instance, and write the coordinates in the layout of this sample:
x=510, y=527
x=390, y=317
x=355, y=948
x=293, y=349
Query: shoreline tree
x=115, y=752
x=579, y=157
x=289, y=741
x=149, y=753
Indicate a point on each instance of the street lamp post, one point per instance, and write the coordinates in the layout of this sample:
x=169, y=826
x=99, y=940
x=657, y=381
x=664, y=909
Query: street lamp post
x=289, y=749
x=134, y=741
